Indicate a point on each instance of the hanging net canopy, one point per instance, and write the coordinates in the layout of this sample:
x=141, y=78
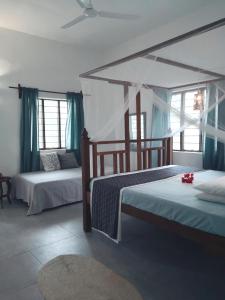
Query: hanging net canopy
x=194, y=60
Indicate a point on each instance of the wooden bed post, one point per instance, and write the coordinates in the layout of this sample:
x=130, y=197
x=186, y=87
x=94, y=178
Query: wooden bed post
x=86, y=180
x=138, y=119
x=127, y=132
x=169, y=151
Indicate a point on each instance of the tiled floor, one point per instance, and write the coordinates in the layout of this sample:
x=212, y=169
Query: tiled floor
x=161, y=265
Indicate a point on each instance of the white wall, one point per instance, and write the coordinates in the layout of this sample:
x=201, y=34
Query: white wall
x=185, y=158
x=33, y=62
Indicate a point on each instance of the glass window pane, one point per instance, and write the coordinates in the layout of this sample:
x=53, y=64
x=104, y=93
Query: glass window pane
x=175, y=121
x=51, y=133
x=192, y=133
x=51, y=109
x=52, y=139
x=63, y=116
x=49, y=118
x=133, y=126
x=51, y=127
x=50, y=103
x=176, y=146
x=51, y=122
x=51, y=145
x=191, y=147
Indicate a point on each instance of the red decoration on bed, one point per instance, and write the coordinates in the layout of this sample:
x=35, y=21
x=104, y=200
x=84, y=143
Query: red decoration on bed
x=187, y=178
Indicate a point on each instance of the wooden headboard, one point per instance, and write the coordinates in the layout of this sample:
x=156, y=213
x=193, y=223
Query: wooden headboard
x=121, y=161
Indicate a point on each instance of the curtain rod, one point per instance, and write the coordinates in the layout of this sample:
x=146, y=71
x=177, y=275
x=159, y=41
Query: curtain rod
x=45, y=91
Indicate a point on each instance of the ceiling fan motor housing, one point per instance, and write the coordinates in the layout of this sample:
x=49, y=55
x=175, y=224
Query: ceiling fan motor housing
x=90, y=12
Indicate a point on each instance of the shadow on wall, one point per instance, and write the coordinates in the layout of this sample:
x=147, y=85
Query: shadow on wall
x=5, y=67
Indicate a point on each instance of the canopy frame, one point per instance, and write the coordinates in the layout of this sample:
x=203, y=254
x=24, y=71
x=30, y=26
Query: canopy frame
x=146, y=53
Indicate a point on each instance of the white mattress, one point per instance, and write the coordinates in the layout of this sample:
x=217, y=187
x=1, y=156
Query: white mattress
x=43, y=190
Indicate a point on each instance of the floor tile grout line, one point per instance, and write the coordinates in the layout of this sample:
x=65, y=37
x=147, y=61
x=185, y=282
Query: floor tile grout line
x=38, y=260
x=55, y=242
x=14, y=255
x=4, y=257
x=15, y=291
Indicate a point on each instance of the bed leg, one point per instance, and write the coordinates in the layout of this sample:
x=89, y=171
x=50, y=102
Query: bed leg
x=86, y=180
x=86, y=214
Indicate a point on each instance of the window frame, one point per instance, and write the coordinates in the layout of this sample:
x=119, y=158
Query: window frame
x=42, y=99
x=182, y=93
x=133, y=146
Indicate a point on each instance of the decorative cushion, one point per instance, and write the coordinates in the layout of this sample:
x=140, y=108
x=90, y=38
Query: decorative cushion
x=68, y=160
x=211, y=198
x=214, y=187
x=50, y=161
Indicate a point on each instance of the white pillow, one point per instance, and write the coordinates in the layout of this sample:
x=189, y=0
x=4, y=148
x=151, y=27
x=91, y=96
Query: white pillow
x=50, y=161
x=214, y=187
x=211, y=198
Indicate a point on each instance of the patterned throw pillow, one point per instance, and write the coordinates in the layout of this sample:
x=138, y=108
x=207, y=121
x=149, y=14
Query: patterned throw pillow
x=50, y=161
x=68, y=160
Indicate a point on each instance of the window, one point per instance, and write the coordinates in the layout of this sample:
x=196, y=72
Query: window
x=133, y=127
x=190, y=139
x=52, y=123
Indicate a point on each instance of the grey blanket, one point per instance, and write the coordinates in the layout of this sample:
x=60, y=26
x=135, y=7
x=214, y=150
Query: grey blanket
x=43, y=190
x=106, y=195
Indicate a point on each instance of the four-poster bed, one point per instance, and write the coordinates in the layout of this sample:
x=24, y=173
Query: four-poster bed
x=212, y=241
x=122, y=157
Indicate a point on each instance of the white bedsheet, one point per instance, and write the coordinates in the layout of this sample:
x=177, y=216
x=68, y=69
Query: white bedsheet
x=42, y=190
x=177, y=201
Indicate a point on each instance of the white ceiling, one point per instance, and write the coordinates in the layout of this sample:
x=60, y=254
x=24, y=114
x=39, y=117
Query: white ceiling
x=204, y=51
x=44, y=18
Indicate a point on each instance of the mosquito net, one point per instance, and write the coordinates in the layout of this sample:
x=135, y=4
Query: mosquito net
x=196, y=63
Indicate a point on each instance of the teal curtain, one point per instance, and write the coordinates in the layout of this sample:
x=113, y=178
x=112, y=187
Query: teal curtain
x=29, y=152
x=160, y=121
x=75, y=123
x=213, y=150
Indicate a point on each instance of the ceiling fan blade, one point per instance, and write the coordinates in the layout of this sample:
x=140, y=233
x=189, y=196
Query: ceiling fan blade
x=107, y=14
x=74, y=21
x=85, y=4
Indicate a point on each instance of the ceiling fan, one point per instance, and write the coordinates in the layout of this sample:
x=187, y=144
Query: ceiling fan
x=90, y=12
